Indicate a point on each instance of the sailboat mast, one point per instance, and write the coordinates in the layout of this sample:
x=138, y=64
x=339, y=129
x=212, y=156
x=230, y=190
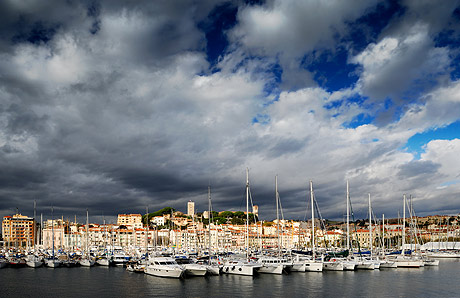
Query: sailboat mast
x=403, y=241
x=52, y=227
x=312, y=221
x=35, y=223
x=247, y=212
x=87, y=228
x=348, y=216
x=370, y=225
x=209, y=224
x=277, y=215
x=146, y=231
x=383, y=234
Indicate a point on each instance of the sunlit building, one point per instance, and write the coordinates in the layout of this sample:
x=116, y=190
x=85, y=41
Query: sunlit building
x=190, y=208
x=130, y=220
x=18, y=231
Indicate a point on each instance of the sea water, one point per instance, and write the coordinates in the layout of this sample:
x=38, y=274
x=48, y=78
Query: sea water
x=101, y=282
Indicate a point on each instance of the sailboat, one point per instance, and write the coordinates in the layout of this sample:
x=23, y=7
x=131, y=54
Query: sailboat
x=32, y=260
x=241, y=266
x=270, y=264
x=52, y=262
x=86, y=260
x=312, y=264
x=104, y=260
x=212, y=267
x=402, y=260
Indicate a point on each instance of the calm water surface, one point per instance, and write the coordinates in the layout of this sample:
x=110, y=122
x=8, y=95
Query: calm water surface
x=101, y=282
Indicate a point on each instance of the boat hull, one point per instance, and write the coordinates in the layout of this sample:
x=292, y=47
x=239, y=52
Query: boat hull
x=238, y=270
x=164, y=272
x=313, y=267
x=332, y=266
x=277, y=269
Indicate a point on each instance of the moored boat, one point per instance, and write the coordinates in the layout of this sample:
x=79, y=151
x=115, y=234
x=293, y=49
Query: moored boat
x=164, y=267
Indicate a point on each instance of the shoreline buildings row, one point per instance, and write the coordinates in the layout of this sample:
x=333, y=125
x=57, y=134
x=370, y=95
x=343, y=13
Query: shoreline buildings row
x=192, y=234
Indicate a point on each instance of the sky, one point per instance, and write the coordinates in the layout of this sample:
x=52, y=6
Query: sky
x=118, y=106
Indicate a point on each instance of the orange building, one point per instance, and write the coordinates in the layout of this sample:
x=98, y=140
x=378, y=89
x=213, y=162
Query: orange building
x=18, y=231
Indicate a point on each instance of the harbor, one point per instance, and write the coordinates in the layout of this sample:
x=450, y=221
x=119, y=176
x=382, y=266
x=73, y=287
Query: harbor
x=114, y=281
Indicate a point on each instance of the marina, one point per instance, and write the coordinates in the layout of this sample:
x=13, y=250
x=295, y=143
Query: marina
x=115, y=281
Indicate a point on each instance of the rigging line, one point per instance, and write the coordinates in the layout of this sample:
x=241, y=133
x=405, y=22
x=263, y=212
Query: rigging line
x=354, y=225
x=306, y=210
x=281, y=207
x=252, y=204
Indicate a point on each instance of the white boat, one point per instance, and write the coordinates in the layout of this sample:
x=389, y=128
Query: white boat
x=213, y=269
x=34, y=261
x=387, y=264
x=333, y=266
x=298, y=266
x=103, y=261
x=53, y=263
x=349, y=265
x=406, y=262
x=270, y=265
x=402, y=260
x=135, y=267
x=430, y=262
x=443, y=254
x=87, y=262
x=164, y=267
x=313, y=266
x=240, y=267
x=192, y=269
x=365, y=264
x=120, y=258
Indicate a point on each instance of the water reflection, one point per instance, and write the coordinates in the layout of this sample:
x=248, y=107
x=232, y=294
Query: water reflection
x=104, y=282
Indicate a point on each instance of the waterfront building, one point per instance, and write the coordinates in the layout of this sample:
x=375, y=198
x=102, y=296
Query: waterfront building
x=191, y=208
x=18, y=231
x=58, y=232
x=130, y=220
x=255, y=210
x=158, y=220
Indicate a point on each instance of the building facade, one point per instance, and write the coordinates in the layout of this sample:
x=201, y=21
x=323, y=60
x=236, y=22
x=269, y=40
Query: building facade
x=131, y=220
x=18, y=231
x=191, y=208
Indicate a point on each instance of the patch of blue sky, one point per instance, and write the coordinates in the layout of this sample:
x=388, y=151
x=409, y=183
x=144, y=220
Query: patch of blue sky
x=451, y=39
x=330, y=69
x=261, y=119
x=273, y=80
x=333, y=104
x=367, y=28
x=417, y=142
x=359, y=120
x=219, y=20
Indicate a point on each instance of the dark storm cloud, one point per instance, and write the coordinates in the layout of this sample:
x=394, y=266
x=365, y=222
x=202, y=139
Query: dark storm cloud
x=116, y=105
x=417, y=167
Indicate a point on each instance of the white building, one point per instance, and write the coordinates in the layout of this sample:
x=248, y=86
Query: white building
x=191, y=208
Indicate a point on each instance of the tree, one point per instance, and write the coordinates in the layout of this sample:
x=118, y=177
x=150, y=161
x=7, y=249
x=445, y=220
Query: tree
x=237, y=221
x=226, y=214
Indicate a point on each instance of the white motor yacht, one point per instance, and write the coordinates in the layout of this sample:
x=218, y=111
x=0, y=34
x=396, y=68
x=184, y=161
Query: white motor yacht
x=53, y=262
x=164, y=267
x=34, y=261
x=103, y=261
x=240, y=267
x=270, y=265
x=333, y=266
x=87, y=262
